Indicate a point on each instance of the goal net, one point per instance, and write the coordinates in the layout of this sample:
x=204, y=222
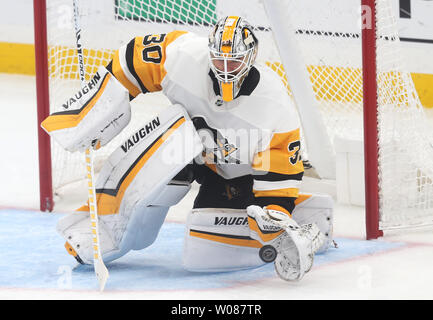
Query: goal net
x=327, y=40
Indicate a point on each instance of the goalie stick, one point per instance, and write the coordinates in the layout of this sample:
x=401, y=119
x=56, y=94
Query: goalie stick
x=99, y=266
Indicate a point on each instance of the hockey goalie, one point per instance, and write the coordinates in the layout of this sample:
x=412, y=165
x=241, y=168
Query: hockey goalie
x=231, y=127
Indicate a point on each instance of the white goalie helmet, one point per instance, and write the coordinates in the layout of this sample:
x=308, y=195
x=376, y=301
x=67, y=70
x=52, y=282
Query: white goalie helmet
x=232, y=52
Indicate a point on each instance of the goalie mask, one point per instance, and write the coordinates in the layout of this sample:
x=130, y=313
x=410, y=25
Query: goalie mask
x=232, y=52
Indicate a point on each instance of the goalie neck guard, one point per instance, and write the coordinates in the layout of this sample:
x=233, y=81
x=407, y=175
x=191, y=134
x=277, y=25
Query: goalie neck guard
x=232, y=52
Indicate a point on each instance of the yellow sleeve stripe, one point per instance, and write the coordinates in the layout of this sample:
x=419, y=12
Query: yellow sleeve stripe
x=289, y=192
x=64, y=120
x=120, y=75
x=150, y=74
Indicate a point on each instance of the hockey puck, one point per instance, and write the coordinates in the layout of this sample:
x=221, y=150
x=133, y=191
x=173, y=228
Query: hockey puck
x=268, y=253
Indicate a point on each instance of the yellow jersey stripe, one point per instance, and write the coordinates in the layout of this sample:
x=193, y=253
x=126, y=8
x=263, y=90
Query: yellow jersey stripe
x=289, y=192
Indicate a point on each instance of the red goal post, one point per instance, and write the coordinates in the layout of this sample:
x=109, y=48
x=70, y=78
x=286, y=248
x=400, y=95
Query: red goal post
x=371, y=146
x=43, y=105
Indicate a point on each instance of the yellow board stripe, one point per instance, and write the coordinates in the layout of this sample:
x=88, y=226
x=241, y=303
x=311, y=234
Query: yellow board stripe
x=18, y=58
x=64, y=120
x=227, y=239
x=347, y=83
x=109, y=204
x=63, y=61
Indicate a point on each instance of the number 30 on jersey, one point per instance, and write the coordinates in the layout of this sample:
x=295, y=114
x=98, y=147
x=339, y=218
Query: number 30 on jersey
x=152, y=51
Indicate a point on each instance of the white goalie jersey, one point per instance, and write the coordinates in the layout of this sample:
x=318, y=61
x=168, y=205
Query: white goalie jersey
x=256, y=133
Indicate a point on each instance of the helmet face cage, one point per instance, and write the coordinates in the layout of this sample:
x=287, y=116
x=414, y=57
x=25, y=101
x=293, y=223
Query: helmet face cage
x=230, y=67
x=232, y=50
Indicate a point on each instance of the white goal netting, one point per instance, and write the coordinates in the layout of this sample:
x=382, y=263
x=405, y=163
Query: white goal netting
x=328, y=36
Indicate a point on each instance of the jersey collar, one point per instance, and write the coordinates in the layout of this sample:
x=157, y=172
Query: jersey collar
x=247, y=87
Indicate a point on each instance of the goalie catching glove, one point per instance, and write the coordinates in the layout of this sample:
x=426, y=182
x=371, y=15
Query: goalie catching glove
x=290, y=246
x=93, y=116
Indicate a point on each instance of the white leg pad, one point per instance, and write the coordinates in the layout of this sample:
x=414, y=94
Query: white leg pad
x=141, y=231
x=134, y=187
x=219, y=240
x=76, y=230
x=148, y=217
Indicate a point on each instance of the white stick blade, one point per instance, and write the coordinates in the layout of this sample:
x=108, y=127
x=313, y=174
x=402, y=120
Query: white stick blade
x=101, y=273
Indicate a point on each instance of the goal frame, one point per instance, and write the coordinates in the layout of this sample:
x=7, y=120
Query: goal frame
x=46, y=202
x=370, y=104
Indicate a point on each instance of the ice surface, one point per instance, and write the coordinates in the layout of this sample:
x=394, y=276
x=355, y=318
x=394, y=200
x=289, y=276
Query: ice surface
x=36, y=258
x=34, y=264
